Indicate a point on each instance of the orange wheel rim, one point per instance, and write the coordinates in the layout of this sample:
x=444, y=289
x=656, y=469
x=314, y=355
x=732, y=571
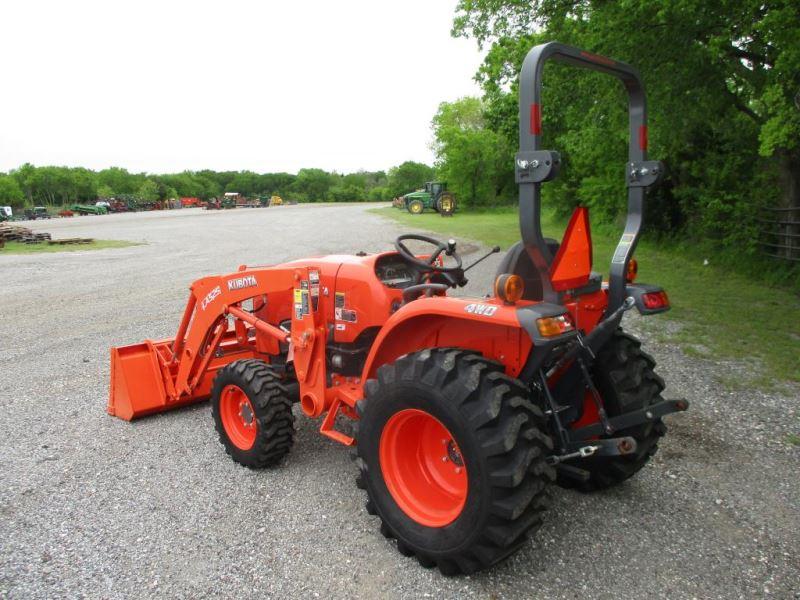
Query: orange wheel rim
x=238, y=417
x=423, y=468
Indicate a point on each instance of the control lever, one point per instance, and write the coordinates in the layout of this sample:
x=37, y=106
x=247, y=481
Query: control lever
x=494, y=250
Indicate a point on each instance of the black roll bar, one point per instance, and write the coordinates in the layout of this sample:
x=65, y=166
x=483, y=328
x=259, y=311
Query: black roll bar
x=535, y=166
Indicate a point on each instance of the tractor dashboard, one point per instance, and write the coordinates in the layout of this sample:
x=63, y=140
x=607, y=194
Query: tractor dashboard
x=394, y=272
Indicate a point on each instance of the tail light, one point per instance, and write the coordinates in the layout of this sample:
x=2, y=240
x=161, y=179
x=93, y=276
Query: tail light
x=552, y=326
x=655, y=300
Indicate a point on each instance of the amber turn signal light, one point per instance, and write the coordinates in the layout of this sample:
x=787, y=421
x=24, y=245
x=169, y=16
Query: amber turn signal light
x=509, y=288
x=552, y=326
x=633, y=271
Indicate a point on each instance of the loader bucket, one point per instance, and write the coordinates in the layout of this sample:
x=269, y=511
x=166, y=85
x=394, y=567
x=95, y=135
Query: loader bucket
x=137, y=384
x=143, y=381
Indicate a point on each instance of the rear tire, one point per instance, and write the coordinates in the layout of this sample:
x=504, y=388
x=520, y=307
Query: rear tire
x=445, y=198
x=252, y=412
x=491, y=431
x=625, y=377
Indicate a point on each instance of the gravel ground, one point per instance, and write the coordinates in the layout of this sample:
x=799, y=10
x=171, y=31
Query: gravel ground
x=96, y=507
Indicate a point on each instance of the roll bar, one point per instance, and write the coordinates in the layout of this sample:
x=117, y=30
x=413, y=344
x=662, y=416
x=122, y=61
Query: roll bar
x=535, y=166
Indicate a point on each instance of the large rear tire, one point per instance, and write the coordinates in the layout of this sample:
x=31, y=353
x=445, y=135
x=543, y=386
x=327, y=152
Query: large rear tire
x=446, y=203
x=625, y=377
x=252, y=411
x=452, y=455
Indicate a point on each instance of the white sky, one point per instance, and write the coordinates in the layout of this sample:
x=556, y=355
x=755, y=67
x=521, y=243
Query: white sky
x=163, y=86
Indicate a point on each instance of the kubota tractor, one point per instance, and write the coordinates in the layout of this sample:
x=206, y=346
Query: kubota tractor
x=464, y=410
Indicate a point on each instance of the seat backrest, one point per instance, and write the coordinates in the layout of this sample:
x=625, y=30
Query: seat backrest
x=517, y=262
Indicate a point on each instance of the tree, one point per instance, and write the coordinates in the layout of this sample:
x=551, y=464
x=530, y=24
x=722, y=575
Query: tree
x=407, y=177
x=61, y=185
x=120, y=180
x=104, y=191
x=275, y=183
x=245, y=182
x=379, y=194
x=470, y=157
x=148, y=191
x=312, y=185
x=10, y=192
x=723, y=81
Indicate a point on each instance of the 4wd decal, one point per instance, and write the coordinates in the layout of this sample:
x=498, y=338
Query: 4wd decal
x=481, y=309
x=210, y=297
x=242, y=282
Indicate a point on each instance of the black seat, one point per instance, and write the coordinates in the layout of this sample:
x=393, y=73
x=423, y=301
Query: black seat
x=517, y=262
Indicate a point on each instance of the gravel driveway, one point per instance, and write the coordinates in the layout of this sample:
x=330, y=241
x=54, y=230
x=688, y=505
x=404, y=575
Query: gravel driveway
x=97, y=507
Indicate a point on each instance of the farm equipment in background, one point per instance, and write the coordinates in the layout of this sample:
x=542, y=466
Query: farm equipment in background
x=190, y=202
x=37, y=212
x=88, y=209
x=232, y=199
x=276, y=201
x=464, y=410
x=118, y=205
x=219, y=204
x=434, y=196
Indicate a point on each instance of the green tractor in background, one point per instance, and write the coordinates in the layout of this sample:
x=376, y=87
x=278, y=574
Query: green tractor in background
x=433, y=196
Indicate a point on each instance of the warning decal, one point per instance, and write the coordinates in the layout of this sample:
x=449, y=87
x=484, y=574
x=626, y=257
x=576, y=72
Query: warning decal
x=622, y=249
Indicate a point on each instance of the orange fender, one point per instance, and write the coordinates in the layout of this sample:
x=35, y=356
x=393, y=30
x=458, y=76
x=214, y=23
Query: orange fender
x=486, y=325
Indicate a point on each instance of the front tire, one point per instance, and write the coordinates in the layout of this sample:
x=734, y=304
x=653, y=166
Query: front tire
x=415, y=207
x=252, y=412
x=452, y=455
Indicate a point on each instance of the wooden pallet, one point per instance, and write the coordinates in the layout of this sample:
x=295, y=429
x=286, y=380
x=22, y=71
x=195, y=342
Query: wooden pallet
x=13, y=233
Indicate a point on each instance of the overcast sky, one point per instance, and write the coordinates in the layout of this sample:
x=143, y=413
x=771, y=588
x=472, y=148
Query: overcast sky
x=163, y=86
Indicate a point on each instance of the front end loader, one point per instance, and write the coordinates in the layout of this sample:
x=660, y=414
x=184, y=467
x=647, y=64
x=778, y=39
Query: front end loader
x=464, y=410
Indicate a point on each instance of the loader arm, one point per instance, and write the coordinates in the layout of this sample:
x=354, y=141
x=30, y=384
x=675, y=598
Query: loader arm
x=156, y=376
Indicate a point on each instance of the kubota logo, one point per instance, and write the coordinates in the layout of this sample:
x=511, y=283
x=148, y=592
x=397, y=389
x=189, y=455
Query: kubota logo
x=210, y=297
x=242, y=282
x=481, y=309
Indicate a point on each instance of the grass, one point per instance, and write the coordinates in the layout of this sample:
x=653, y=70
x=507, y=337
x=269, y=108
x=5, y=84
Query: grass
x=716, y=312
x=44, y=247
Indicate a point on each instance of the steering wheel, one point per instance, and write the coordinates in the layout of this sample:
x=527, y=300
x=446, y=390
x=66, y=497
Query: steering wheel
x=430, y=265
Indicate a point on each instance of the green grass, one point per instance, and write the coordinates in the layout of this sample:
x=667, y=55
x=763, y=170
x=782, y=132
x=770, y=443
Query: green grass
x=716, y=312
x=44, y=247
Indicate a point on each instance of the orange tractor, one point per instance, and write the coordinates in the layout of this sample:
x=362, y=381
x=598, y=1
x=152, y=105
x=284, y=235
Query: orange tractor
x=464, y=410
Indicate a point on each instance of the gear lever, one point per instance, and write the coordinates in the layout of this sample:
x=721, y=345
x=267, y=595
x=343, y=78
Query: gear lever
x=494, y=250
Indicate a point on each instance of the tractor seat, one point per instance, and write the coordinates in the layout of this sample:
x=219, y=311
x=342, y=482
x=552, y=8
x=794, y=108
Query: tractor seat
x=517, y=262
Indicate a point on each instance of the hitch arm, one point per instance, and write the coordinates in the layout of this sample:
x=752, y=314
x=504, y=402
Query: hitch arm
x=632, y=419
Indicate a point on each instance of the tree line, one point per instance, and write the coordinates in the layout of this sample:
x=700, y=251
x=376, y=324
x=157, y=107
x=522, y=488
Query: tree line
x=56, y=186
x=723, y=85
